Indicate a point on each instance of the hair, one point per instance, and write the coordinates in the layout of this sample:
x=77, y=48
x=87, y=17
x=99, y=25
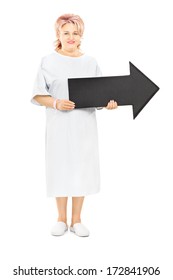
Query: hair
x=67, y=18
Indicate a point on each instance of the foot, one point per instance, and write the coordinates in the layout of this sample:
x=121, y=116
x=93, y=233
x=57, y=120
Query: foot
x=80, y=230
x=59, y=229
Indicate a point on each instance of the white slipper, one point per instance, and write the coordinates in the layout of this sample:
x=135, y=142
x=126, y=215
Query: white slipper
x=59, y=229
x=80, y=230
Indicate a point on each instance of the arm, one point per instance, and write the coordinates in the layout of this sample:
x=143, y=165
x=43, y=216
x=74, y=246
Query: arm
x=48, y=101
x=45, y=100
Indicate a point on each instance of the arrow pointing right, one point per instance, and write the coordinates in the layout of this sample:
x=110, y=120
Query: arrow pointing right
x=135, y=89
x=142, y=89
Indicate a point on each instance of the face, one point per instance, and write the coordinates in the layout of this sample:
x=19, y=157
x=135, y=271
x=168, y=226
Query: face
x=69, y=36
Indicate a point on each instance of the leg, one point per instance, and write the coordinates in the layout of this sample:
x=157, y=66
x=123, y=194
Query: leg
x=76, y=226
x=61, y=225
x=61, y=203
x=77, y=203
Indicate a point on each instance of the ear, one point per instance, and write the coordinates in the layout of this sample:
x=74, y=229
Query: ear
x=57, y=34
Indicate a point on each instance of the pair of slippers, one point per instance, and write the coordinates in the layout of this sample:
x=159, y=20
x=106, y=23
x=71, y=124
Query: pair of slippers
x=60, y=228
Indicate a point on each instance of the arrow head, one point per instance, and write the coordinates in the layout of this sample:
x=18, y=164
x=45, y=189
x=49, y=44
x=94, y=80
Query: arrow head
x=142, y=89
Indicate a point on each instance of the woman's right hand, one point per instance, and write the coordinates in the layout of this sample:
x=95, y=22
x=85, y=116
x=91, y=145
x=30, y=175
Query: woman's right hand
x=64, y=104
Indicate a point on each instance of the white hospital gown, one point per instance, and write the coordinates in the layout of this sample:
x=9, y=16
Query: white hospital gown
x=72, y=156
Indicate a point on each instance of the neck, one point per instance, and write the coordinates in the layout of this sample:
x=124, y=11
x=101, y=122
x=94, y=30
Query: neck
x=72, y=52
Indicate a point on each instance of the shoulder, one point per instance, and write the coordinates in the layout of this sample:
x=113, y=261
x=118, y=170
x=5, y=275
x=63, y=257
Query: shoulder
x=48, y=58
x=90, y=58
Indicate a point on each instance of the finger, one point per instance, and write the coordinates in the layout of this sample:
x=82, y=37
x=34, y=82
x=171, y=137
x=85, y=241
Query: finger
x=67, y=103
x=108, y=106
x=68, y=107
x=62, y=106
x=111, y=104
x=114, y=104
x=71, y=102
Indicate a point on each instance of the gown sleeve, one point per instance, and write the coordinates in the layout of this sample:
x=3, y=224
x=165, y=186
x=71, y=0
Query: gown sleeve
x=40, y=86
x=98, y=74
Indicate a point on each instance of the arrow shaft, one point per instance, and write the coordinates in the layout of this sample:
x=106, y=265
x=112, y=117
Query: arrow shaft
x=116, y=88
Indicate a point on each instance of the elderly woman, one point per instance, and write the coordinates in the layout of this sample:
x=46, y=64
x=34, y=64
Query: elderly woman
x=72, y=158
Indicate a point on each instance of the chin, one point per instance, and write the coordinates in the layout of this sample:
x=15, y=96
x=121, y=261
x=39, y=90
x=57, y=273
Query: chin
x=71, y=46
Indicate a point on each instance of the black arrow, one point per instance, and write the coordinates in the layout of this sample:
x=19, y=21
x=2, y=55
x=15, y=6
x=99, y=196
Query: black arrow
x=135, y=89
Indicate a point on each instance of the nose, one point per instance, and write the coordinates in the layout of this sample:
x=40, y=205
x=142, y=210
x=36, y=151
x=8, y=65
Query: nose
x=71, y=36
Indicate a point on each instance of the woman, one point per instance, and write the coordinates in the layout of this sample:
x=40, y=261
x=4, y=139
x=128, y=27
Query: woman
x=72, y=159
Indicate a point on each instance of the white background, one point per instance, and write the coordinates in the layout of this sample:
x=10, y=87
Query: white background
x=130, y=220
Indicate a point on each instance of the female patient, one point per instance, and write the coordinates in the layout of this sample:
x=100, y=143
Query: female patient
x=72, y=158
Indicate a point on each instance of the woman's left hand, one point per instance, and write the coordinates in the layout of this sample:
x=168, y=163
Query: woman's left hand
x=111, y=105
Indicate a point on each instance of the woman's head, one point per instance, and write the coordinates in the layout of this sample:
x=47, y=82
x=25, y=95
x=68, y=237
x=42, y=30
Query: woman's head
x=69, y=30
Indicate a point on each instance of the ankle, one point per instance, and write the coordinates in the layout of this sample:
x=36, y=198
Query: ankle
x=62, y=219
x=75, y=221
